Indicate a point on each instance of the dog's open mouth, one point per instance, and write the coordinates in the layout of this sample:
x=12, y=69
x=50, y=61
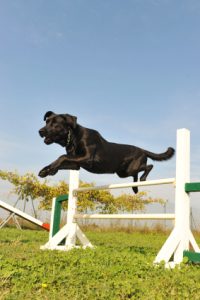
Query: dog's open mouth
x=48, y=140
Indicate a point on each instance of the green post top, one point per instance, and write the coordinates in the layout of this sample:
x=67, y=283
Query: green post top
x=192, y=256
x=62, y=198
x=192, y=187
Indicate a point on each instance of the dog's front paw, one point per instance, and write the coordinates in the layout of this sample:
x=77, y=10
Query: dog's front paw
x=44, y=172
x=47, y=171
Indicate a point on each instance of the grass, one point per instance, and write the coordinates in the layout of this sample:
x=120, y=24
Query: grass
x=120, y=267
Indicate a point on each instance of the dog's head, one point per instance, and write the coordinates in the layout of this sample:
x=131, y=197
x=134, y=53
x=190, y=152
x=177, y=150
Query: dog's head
x=57, y=128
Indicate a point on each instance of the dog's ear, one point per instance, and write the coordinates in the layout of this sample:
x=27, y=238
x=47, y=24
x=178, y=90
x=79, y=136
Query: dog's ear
x=71, y=120
x=48, y=114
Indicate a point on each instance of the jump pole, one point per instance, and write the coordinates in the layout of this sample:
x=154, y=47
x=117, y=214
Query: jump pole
x=71, y=231
x=180, y=239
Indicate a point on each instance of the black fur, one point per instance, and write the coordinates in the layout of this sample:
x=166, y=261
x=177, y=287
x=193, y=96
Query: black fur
x=87, y=149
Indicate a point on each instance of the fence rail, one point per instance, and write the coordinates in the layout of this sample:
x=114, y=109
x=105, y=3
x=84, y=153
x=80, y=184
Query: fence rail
x=125, y=185
x=127, y=216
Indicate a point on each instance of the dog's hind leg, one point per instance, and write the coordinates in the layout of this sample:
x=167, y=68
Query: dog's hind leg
x=135, y=179
x=129, y=171
x=146, y=170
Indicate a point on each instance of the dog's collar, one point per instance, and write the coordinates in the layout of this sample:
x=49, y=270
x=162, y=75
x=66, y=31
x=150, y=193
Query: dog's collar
x=69, y=138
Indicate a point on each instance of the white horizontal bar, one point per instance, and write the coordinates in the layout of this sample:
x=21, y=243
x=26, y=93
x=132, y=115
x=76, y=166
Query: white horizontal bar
x=20, y=213
x=127, y=216
x=126, y=185
x=58, y=247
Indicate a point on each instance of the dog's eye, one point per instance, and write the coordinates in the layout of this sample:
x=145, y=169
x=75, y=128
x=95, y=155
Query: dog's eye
x=57, y=126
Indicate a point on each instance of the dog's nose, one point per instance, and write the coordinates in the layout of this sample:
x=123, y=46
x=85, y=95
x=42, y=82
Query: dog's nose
x=42, y=132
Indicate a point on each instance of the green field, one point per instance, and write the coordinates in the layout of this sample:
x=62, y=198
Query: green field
x=120, y=267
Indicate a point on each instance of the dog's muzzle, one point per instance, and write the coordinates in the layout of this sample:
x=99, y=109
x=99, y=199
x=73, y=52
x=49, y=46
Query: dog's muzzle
x=43, y=134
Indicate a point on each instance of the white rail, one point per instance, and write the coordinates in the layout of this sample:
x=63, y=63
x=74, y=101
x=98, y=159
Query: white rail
x=125, y=185
x=127, y=216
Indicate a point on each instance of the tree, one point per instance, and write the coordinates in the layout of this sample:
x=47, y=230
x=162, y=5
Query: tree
x=138, y=202
x=29, y=187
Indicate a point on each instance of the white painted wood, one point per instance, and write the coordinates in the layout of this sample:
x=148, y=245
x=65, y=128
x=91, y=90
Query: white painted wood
x=71, y=236
x=72, y=199
x=182, y=199
x=20, y=213
x=57, y=238
x=126, y=185
x=181, y=236
x=72, y=208
x=83, y=239
x=126, y=216
x=168, y=248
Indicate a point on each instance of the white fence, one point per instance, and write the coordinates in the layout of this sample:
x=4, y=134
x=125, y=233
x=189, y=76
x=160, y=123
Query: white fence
x=181, y=236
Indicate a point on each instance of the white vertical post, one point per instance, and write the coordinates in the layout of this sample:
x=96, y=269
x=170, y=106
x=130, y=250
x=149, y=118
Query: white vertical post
x=72, y=208
x=180, y=237
x=182, y=199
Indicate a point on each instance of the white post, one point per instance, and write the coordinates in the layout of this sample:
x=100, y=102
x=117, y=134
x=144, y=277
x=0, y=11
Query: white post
x=72, y=208
x=182, y=199
x=179, y=239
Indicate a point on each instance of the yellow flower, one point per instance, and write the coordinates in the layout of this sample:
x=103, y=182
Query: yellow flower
x=44, y=285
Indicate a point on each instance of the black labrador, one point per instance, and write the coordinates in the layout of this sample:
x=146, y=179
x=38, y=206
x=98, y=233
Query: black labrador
x=87, y=149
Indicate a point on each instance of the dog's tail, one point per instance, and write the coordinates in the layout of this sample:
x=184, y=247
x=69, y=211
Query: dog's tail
x=162, y=156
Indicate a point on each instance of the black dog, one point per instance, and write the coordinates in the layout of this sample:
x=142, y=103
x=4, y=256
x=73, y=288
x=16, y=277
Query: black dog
x=87, y=149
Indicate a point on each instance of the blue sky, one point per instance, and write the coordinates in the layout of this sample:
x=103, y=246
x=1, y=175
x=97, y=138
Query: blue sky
x=129, y=69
